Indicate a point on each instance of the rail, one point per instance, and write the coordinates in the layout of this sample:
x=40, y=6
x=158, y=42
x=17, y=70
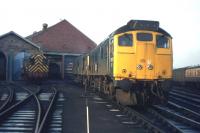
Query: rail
x=46, y=115
x=8, y=99
x=187, y=123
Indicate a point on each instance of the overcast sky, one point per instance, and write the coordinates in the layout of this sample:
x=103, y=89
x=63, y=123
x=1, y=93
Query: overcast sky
x=98, y=18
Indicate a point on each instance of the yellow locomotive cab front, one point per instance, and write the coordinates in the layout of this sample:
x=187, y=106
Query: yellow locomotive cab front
x=144, y=55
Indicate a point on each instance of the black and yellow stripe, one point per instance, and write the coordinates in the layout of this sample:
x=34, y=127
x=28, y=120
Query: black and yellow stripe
x=37, y=64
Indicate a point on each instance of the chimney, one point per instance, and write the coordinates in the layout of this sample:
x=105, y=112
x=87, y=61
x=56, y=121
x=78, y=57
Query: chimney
x=45, y=26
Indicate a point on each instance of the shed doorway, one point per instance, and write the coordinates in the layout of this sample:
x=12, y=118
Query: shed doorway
x=54, y=71
x=2, y=66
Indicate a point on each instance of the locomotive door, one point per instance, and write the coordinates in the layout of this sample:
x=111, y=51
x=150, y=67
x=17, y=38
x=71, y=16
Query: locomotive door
x=145, y=59
x=150, y=60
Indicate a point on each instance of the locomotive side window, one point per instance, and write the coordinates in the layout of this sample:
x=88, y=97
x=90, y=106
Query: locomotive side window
x=126, y=40
x=162, y=41
x=144, y=37
x=101, y=52
x=105, y=49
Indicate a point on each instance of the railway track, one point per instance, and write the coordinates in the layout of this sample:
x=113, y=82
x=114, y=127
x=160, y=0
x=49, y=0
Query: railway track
x=147, y=118
x=189, y=99
x=170, y=118
x=50, y=98
x=178, y=118
x=181, y=113
x=13, y=118
x=31, y=111
x=6, y=98
x=152, y=120
x=187, y=90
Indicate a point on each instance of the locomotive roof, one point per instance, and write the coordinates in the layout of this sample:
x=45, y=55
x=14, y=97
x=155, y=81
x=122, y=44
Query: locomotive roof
x=141, y=25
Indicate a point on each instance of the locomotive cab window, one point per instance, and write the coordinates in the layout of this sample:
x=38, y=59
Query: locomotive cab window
x=144, y=37
x=126, y=40
x=162, y=41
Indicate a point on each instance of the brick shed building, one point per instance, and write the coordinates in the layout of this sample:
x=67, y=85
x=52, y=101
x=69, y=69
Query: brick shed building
x=61, y=42
x=13, y=50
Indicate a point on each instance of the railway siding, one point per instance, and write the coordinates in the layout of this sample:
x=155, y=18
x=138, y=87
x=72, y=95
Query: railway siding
x=32, y=111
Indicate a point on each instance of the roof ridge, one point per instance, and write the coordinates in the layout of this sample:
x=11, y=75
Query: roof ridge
x=81, y=32
x=64, y=20
x=26, y=40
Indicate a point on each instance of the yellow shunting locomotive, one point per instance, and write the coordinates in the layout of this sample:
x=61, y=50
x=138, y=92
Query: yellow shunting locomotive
x=133, y=65
x=36, y=67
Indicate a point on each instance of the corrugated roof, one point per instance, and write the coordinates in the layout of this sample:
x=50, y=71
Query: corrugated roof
x=63, y=37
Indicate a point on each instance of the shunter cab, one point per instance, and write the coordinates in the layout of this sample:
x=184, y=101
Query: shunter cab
x=146, y=47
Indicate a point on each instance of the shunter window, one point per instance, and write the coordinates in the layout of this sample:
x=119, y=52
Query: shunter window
x=144, y=37
x=162, y=41
x=126, y=40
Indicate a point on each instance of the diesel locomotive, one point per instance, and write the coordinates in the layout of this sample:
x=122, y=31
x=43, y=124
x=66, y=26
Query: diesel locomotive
x=132, y=65
x=36, y=67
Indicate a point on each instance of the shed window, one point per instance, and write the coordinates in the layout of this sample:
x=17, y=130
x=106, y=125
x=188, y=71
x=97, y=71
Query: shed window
x=162, y=41
x=126, y=40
